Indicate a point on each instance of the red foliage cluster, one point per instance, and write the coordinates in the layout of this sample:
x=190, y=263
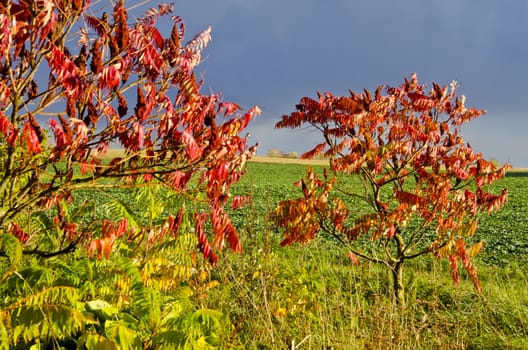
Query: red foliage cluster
x=405, y=144
x=173, y=133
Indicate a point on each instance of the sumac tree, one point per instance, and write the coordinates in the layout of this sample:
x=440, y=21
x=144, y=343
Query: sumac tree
x=74, y=84
x=422, y=187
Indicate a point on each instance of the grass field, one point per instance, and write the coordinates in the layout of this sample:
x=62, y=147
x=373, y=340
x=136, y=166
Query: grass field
x=279, y=160
x=311, y=297
x=297, y=297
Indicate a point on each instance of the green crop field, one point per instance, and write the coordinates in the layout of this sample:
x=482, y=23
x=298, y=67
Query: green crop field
x=505, y=233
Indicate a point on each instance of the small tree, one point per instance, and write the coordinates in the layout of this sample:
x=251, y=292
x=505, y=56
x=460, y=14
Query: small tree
x=67, y=81
x=422, y=184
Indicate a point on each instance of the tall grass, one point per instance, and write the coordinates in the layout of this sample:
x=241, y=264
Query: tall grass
x=278, y=298
x=312, y=297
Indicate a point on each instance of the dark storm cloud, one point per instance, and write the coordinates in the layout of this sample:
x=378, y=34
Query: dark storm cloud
x=273, y=52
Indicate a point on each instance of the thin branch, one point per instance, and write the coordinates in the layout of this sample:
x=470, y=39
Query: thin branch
x=44, y=254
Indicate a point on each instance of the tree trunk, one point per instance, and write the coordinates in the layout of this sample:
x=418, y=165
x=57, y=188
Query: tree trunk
x=397, y=283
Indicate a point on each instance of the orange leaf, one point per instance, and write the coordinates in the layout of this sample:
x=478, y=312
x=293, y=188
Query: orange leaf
x=353, y=258
x=454, y=269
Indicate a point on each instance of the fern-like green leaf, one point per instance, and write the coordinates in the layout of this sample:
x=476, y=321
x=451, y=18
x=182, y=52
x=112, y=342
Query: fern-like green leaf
x=132, y=271
x=121, y=334
x=52, y=295
x=117, y=208
x=44, y=322
x=4, y=337
x=12, y=248
x=148, y=304
x=66, y=271
x=171, y=340
x=43, y=221
x=35, y=277
x=148, y=199
x=96, y=342
x=202, y=329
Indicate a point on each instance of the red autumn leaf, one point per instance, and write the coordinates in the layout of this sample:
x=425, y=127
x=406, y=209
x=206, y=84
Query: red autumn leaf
x=109, y=77
x=46, y=18
x=148, y=56
x=228, y=108
x=178, y=180
x=240, y=201
x=138, y=136
x=58, y=132
x=80, y=131
x=87, y=167
x=96, y=24
x=391, y=231
x=7, y=129
x=5, y=92
x=219, y=173
x=110, y=231
x=468, y=265
x=102, y=247
x=17, y=231
x=225, y=231
x=421, y=102
x=317, y=150
x=191, y=146
x=152, y=14
x=175, y=223
x=67, y=72
x=203, y=243
x=30, y=139
x=409, y=198
x=199, y=42
x=94, y=248
x=156, y=37
x=4, y=35
x=121, y=228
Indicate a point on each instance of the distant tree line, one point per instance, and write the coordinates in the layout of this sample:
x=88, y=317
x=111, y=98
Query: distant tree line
x=277, y=153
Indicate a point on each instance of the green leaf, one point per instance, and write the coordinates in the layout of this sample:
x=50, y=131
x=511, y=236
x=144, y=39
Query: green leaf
x=121, y=209
x=101, y=309
x=4, y=338
x=147, y=198
x=125, y=337
x=38, y=322
x=12, y=248
x=170, y=340
x=202, y=329
x=98, y=342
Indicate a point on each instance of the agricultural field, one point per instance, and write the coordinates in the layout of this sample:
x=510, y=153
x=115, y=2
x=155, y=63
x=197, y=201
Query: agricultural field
x=505, y=233
x=311, y=297
x=301, y=296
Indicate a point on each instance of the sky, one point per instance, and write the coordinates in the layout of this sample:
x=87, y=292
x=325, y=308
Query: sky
x=271, y=53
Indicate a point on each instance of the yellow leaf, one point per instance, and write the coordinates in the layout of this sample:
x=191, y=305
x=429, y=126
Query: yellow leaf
x=203, y=276
x=212, y=284
x=475, y=249
x=280, y=312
